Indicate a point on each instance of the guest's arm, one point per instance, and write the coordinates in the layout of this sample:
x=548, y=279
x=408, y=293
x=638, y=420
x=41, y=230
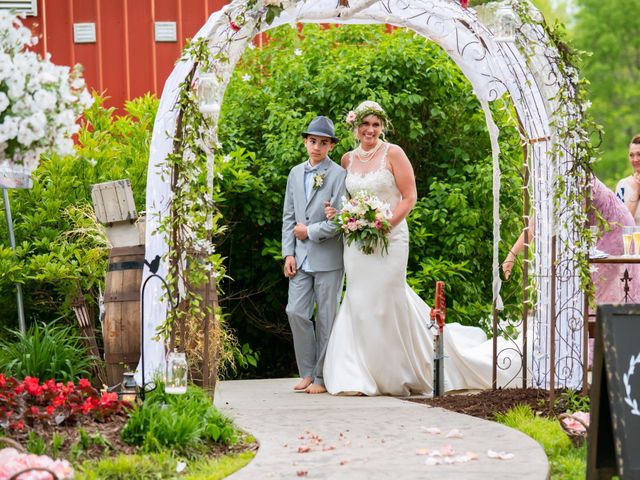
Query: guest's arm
x=515, y=250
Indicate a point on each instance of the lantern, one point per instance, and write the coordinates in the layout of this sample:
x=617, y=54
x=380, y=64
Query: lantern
x=128, y=388
x=505, y=24
x=176, y=375
x=207, y=90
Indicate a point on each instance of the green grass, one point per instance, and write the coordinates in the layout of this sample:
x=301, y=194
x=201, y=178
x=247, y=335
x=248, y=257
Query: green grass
x=567, y=462
x=160, y=466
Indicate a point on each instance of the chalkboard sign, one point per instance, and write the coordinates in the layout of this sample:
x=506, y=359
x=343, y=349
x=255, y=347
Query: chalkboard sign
x=614, y=433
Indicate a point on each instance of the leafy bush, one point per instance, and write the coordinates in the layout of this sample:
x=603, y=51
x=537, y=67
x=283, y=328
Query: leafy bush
x=181, y=423
x=45, y=351
x=573, y=401
x=274, y=93
x=60, y=246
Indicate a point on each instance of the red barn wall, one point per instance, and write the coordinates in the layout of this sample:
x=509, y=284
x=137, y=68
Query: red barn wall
x=125, y=61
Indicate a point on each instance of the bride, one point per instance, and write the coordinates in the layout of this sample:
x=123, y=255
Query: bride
x=381, y=342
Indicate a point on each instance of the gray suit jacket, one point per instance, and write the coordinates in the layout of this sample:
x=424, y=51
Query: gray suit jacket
x=325, y=250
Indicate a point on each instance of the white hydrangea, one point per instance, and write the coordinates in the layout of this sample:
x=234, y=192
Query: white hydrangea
x=39, y=101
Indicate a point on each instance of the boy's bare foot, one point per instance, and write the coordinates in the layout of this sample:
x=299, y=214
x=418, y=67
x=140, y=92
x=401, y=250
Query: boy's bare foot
x=303, y=383
x=315, y=388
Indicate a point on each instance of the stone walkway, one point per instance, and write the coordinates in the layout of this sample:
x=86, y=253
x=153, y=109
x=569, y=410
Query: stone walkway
x=369, y=438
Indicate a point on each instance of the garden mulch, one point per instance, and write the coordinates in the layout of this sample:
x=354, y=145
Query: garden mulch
x=488, y=404
x=101, y=439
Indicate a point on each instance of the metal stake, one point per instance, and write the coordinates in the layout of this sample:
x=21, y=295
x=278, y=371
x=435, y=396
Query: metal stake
x=12, y=242
x=438, y=313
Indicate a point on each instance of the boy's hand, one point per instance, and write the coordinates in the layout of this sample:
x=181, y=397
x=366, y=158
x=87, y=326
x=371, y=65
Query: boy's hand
x=329, y=211
x=300, y=231
x=290, y=267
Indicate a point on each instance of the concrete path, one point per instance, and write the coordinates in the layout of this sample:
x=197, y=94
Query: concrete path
x=368, y=438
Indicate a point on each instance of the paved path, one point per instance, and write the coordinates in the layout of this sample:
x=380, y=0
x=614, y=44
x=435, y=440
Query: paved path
x=368, y=438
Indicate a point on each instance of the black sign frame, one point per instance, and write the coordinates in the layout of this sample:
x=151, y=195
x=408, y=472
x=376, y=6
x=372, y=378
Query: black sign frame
x=615, y=418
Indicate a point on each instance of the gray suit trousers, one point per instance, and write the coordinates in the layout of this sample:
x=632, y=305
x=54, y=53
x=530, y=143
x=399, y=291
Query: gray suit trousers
x=305, y=290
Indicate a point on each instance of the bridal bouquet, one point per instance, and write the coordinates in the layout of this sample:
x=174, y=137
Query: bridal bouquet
x=364, y=218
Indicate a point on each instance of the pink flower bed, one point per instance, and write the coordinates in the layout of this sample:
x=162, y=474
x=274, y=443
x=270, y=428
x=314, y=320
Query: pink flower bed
x=12, y=462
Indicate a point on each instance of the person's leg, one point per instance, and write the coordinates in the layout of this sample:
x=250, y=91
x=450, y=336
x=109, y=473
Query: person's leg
x=326, y=287
x=299, y=311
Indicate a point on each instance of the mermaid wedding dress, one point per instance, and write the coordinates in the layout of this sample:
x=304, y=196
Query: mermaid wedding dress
x=381, y=342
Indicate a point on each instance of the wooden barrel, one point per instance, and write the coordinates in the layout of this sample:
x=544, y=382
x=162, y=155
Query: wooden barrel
x=121, y=329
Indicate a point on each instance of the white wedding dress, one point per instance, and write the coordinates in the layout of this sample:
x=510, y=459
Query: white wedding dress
x=381, y=342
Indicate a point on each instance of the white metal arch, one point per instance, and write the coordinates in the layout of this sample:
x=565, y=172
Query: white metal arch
x=524, y=69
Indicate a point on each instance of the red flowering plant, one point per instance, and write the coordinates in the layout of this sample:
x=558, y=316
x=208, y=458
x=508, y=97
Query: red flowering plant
x=24, y=403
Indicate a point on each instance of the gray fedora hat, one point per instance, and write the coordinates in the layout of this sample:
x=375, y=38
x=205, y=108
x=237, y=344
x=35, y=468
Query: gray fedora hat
x=322, y=127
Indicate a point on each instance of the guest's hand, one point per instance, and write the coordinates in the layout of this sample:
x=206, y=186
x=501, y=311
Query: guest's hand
x=329, y=211
x=290, y=267
x=507, y=265
x=300, y=231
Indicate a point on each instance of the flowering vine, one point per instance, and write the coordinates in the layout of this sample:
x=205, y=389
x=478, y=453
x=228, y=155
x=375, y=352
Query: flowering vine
x=194, y=223
x=573, y=128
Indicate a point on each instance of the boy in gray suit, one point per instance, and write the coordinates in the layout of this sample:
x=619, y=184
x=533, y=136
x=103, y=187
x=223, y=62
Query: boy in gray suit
x=312, y=251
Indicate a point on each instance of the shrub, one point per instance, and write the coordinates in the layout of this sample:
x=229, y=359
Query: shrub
x=45, y=351
x=181, y=423
x=437, y=120
x=59, y=244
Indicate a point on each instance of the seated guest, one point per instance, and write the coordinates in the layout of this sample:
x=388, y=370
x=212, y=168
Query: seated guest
x=628, y=189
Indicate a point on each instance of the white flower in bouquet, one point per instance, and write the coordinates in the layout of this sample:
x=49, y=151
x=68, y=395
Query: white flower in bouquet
x=39, y=101
x=364, y=218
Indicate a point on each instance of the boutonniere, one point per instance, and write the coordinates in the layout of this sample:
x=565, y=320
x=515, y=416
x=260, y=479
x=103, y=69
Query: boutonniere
x=318, y=180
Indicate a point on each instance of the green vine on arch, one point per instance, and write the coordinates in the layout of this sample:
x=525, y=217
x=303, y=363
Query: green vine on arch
x=573, y=129
x=193, y=224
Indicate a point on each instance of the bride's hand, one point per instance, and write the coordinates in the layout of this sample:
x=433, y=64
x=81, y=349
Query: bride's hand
x=329, y=211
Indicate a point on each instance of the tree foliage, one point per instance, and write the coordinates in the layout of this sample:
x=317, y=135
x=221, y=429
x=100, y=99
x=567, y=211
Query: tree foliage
x=605, y=29
x=278, y=89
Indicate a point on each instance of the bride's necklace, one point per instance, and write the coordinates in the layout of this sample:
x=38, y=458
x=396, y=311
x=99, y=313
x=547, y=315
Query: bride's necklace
x=364, y=156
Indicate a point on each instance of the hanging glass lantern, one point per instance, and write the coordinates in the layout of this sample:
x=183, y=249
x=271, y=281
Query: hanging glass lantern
x=176, y=375
x=500, y=19
x=207, y=91
x=505, y=24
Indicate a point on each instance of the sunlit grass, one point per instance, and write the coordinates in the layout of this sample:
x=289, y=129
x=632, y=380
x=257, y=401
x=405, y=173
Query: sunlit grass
x=161, y=466
x=567, y=462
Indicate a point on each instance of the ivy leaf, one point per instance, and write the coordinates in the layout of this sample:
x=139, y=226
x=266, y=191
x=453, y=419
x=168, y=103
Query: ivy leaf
x=273, y=11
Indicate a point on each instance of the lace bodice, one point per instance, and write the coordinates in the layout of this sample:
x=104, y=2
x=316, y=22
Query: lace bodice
x=374, y=177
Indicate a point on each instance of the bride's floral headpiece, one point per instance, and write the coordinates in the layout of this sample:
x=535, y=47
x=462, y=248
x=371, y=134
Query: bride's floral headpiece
x=355, y=117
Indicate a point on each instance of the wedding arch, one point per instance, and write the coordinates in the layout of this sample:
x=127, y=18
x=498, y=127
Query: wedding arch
x=504, y=50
